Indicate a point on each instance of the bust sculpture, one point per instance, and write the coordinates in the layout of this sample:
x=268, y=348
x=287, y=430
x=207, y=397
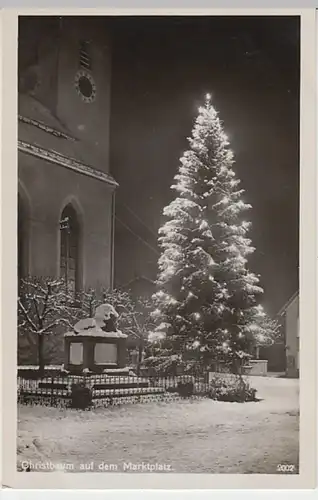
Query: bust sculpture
x=104, y=320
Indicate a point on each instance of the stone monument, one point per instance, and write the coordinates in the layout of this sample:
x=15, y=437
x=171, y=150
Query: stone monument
x=95, y=344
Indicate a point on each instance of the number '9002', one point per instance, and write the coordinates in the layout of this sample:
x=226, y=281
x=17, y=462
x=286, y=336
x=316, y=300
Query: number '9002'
x=286, y=468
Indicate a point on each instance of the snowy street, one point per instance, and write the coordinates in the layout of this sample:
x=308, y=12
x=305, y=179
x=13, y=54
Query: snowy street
x=184, y=436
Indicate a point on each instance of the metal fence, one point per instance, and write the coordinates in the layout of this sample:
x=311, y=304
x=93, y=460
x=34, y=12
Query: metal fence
x=102, y=390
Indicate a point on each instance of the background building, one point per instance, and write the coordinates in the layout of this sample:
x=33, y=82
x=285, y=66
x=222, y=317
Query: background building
x=290, y=317
x=66, y=193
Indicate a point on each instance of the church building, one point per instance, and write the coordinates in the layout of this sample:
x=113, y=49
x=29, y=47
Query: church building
x=66, y=194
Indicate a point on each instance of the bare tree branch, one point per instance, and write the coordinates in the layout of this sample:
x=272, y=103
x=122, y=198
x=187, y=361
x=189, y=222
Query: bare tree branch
x=46, y=301
x=37, y=312
x=26, y=315
x=55, y=323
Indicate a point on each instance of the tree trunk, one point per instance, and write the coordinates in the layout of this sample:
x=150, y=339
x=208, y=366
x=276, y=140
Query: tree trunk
x=237, y=367
x=41, y=354
x=140, y=353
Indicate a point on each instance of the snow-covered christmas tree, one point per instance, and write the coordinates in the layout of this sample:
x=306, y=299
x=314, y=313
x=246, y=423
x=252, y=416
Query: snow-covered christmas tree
x=207, y=301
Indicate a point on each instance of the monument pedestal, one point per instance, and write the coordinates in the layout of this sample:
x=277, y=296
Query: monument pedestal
x=94, y=352
x=92, y=347
x=256, y=367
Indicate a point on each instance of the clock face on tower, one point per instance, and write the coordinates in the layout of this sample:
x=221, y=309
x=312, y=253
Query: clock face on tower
x=85, y=86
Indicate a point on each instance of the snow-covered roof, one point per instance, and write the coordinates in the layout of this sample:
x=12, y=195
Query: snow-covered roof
x=30, y=107
x=287, y=304
x=42, y=135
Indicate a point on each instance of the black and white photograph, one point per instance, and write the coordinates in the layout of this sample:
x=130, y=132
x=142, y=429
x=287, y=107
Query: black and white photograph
x=158, y=244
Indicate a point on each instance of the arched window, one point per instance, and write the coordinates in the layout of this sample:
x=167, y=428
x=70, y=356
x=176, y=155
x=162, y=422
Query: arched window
x=69, y=259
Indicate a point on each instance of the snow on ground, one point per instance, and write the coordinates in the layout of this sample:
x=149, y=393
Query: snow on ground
x=186, y=436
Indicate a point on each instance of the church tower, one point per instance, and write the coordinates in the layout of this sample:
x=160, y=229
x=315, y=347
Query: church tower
x=66, y=191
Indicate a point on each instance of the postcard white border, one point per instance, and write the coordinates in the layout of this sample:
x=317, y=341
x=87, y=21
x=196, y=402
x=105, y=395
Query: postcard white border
x=308, y=256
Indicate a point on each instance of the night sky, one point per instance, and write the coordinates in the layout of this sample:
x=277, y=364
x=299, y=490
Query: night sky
x=162, y=69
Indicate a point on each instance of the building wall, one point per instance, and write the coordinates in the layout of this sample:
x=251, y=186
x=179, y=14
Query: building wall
x=292, y=338
x=275, y=355
x=38, y=58
x=49, y=54
x=44, y=204
x=48, y=62
x=87, y=121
